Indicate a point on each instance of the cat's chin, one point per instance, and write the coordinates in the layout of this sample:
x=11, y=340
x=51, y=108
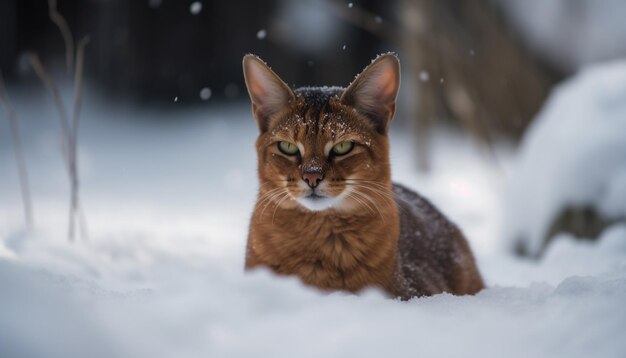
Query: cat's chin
x=319, y=203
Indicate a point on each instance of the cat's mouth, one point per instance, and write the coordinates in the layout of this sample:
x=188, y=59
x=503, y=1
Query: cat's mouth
x=314, y=196
x=317, y=201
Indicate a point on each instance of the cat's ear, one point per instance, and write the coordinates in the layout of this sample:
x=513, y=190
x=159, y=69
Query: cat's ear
x=373, y=92
x=268, y=93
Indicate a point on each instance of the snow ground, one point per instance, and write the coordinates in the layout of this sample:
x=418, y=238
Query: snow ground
x=161, y=274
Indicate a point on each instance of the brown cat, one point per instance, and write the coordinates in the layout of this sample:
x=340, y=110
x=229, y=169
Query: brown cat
x=327, y=210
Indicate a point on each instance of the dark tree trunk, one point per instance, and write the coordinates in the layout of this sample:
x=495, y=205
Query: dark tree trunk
x=469, y=67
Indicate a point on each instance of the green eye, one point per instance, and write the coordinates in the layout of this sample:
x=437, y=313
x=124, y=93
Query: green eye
x=287, y=148
x=343, y=148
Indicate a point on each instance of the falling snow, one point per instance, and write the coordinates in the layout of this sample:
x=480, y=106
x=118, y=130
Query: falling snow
x=261, y=34
x=195, y=7
x=205, y=93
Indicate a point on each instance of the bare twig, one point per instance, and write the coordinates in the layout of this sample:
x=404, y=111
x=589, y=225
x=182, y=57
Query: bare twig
x=69, y=129
x=78, y=84
x=59, y=20
x=67, y=138
x=78, y=80
x=19, y=155
x=66, y=132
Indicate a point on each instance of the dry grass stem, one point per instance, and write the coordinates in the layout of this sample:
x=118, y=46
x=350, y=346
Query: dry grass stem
x=19, y=155
x=58, y=20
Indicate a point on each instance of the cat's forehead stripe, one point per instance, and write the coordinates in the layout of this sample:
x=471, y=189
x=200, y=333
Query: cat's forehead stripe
x=315, y=117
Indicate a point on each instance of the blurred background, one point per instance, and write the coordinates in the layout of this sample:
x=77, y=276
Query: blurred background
x=487, y=66
x=484, y=68
x=128, y=174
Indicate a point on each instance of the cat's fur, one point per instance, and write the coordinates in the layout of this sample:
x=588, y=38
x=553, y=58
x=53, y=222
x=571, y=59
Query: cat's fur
x=355, y=229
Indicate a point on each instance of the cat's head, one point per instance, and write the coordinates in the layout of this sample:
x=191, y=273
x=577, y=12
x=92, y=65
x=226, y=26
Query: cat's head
x=324, y=147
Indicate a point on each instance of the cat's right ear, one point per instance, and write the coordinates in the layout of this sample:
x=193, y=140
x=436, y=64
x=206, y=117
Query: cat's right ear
x=373, y=92
x=268, y=93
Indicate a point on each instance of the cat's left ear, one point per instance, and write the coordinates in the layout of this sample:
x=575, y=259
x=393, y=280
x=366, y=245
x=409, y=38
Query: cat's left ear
x=268, y=93
x=373, y=93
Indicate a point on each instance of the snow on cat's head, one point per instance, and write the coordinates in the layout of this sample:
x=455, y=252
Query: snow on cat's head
x=324, y=148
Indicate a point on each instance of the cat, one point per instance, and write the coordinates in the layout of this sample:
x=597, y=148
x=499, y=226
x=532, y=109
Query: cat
x=327, y=210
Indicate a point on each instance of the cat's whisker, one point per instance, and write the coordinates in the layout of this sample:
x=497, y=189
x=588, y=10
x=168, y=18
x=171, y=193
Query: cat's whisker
x=389, y=198
x=272, y=190
x=271, y=183
x=375, y=186
x=278, y=205
x=383, y=193
x=355, y=198
x=278, y=181
x=382, y=185
x=389, y=195
x=274, y=182
x=268, y=204
x=273, y=198
x=380, y=193
x=267, y=195
x=380, y=213
x=367, y=198
x=377, y=207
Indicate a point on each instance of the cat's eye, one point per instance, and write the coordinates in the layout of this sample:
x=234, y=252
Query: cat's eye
x=343, y=148
x=287, y=148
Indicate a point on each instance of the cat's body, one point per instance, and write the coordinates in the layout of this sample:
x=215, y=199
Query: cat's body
x=327, y=210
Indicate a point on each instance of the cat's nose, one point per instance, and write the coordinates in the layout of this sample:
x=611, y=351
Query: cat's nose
x=312, y=178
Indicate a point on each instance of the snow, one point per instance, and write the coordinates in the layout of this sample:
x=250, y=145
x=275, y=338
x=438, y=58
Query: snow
x=167, y=197
x=195, y=7
x=261, y=34
x=309, y=20
x=205, y=93
x=571, y=34
x=574, y=153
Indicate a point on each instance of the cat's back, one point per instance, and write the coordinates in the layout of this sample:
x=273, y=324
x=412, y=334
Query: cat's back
x=433, y=256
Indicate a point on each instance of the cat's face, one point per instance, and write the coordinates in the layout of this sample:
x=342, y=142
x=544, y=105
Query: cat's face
x=321, y=158
x=324, y=148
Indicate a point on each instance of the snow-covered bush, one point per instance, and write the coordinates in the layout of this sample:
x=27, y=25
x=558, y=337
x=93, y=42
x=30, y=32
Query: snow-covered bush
x=572, y=157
